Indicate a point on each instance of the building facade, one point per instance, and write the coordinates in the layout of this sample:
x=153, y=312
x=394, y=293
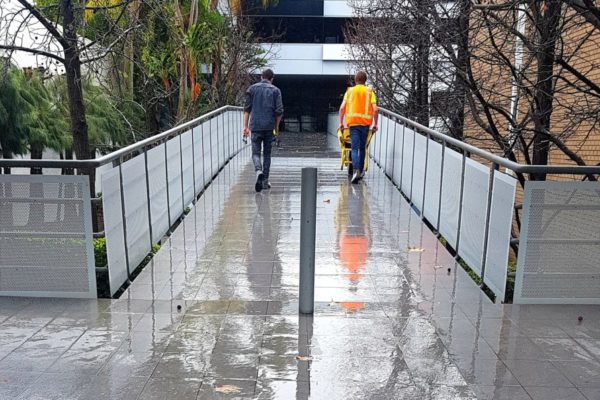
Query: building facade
x=308, y=52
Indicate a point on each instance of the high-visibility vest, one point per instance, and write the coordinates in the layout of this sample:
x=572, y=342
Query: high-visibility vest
x=359, y=110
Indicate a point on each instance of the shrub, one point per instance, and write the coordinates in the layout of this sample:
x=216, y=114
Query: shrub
x=100, y=252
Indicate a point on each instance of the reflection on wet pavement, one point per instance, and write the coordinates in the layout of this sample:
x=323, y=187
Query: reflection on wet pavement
x=215, y=314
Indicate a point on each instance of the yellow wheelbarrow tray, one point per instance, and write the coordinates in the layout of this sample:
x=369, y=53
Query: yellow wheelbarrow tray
x=346, y=150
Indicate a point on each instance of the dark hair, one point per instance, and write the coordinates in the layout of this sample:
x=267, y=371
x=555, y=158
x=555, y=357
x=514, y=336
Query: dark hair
x=360, y=77
x=267, y=74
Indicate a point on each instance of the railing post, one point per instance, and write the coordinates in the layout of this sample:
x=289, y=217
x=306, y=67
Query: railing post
x=393, y=151
x=194, y=165
x=148, y=198
x=218, y=142
x=441, y=187
x=124, y=217
x=460, y=201
x=488, y=214
x=210, y=124
x=425, y=176
x=412, y=169
x=402, y=156
x=203, y=153
x=380, y=145
x=387, y=139
x=181, y=171
x=308, y=215
x=167, y=177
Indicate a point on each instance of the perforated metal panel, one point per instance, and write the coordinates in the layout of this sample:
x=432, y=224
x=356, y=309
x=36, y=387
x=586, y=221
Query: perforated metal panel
x=113, y=229
x=214, y=140
x=207, y=168
x=175, y=188
x=229, y=133
x=220, y=140
x=432, y=186
x=407, y=160
x=383, y=135
x=398, y=161
x=496, y=264
x=159, y=208
x=198, y=160
x=474, y=213
x=391, y=143
x=136, y=210
x=188, y=167
x=560, y=244
x=418, y=178
x=46, y=236
x=450, y=196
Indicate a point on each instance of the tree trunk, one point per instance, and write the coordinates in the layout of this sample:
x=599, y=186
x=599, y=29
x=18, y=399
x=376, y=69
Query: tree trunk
x=422, y=64
x=457, y=111
x=36, y=190
x=548, y=15
x=182, y=87
x=6, y=154
x=37, y=151
x=128, y=64
x=79, y=128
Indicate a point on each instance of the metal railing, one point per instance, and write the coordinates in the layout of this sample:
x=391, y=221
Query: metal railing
x=145, y=188
x=471, y=203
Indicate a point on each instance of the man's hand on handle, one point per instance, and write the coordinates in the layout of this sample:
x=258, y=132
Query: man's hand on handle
x=374, y=129
x=246, y=132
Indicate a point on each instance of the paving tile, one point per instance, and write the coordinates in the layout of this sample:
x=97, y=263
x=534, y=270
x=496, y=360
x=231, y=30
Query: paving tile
x=221, y=389
x=177, y=388
x=188, y=365
x=233, y=366
x=538, y=373
x=501, y=393
x=485, y=372
x=591, y=393
x=282, y=390
x=583, y=374
x=549, y=393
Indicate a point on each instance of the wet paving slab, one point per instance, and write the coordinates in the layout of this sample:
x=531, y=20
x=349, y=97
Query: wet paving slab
x=215, y=313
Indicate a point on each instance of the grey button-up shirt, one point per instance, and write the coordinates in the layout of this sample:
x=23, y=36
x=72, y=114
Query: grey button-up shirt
x=263, y=102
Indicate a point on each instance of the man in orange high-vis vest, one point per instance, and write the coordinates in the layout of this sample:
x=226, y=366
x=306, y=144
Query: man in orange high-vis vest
x=359, y=108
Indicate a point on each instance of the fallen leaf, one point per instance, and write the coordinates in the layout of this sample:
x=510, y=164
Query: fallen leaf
x=228, y=389
x=415, y=249
x=327, y=201
x=303, y=358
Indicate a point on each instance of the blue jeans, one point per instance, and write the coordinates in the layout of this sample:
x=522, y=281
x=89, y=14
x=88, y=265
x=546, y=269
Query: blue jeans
x=358, y=137
x=262, y=140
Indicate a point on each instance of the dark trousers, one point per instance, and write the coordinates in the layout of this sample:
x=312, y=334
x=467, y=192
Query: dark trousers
x=262, y=140
x=358, y=137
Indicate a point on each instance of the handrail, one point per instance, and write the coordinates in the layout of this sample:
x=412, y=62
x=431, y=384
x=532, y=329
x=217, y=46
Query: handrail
x=97, y=162
x=501, y=161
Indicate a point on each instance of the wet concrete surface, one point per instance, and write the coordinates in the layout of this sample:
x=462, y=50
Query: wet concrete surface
x=215, y=314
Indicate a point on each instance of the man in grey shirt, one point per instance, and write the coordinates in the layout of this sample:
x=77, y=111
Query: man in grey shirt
x=262, y=113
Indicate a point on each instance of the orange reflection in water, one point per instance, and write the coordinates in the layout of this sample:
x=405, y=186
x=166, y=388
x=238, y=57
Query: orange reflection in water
x=352, y=306
x=352, y=222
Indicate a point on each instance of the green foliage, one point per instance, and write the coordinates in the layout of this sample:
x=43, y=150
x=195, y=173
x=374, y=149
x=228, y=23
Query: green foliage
x=46, y=119
x=510, y=282
x=14, y=110
x=100, y=252
x=106, y=123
